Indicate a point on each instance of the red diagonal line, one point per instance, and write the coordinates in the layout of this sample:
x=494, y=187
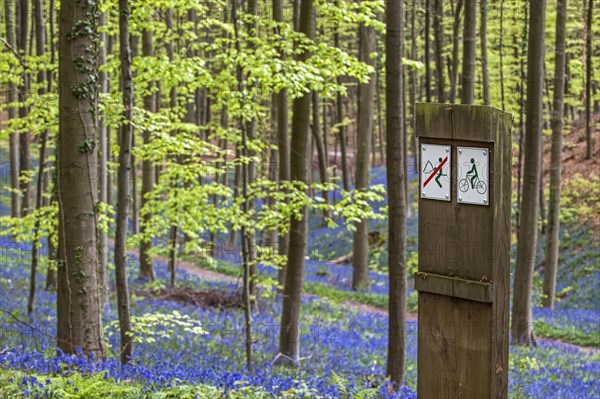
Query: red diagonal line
x=435, y=172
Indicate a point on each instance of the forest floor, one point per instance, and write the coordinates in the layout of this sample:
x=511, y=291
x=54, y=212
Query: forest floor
x=343, y=337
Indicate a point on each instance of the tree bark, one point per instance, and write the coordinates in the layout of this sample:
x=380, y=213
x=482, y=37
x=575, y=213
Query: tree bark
x=322, y=155
x=455, y=44
x=427, y=51
x=551, y=267
x=124, y=184
x=79, y=301
x=396, y=175
x=484, y=59
x=341, y=128
x=40, y=42
x=24, y=138
x=360, y=246
x=146, y=264
x=468, y=64
x=283, y=144
x=438, y=32
x=103, y=152
x=292, y=292
x=588, y=82
x=526, y=247
x=12, y=114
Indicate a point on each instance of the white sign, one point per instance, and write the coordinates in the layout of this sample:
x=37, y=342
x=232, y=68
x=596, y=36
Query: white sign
x=473, y=181
x=435, y=172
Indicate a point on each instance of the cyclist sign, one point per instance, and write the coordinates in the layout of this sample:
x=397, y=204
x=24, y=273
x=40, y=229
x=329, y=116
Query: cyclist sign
x=473, y=175
x=435, y=172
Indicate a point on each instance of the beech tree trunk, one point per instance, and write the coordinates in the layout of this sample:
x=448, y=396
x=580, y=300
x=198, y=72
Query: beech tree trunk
x=438, y=32
x=24, y=137
x=551, y=267
x=79, y=301
x=321, y=152
x=427, y=51
x=11, y=39
x=484, y=61
x=468, y=64
x=360, y=246
x=396, y=176
x=146, y=264
x=588, y=82
x=40, y=42
x=124, y=184
x=521, y=327
x=289, y=339
x=455, y=44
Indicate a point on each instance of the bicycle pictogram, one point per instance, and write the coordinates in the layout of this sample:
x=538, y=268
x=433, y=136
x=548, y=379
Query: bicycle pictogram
x=472, y=181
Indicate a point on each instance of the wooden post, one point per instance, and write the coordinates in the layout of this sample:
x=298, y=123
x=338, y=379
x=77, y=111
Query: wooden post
x=464, y=251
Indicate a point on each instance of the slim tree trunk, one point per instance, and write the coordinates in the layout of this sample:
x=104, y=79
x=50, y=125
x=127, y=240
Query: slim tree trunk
x=523, y=75
x=292, y=291
x=51, y=272
x=427, y=51
x=484, y=60
x=124, y=184
x=455, y=44
x=322, y=157
x=551, y=267
x=12, y=114
x=283, y=142
x=468, y=64
x=588, y=82
x=341, y=128
x=173, y=232
x=103, y=152
x=360, y=246
x=396, y=175
x=79, y=301
x=146, y=265
x=438, y=17
x=40, y=42
x=24, y=138
x=526, y=247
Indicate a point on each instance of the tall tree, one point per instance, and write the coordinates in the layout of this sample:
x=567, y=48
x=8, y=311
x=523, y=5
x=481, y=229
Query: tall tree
x=468, y=62
x=360, y=246
x=24, y=138
x=396, y=176
x=292, y=291
x=146, y=265
x=588, y=81
x=319, y=141
x=555, y=157
x=124, y=184
x=283, y=142
x=12, y=114
x=526, y=246
x=103, y=153
x=427, y=51
x=484, y=58
x=40, y=42
x=340, y=124
x=79, y=299
x=455, y=44
x=438, y=31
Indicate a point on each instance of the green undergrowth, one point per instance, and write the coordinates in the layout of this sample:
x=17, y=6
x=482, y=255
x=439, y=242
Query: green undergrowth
x=17, y=385
x=568, y=334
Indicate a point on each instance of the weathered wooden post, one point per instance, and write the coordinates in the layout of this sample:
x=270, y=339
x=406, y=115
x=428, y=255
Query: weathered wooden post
x=464, y=251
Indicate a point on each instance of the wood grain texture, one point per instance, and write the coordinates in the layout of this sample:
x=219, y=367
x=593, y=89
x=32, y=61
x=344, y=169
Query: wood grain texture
x=463, y=335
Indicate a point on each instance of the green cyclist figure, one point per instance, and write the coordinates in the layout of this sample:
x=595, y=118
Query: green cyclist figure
x=473, y=173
